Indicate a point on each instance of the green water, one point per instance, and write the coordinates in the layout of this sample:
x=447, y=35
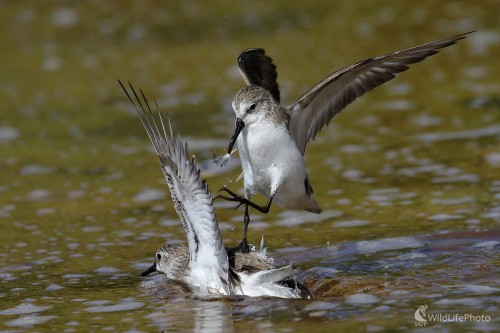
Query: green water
x=408, y=176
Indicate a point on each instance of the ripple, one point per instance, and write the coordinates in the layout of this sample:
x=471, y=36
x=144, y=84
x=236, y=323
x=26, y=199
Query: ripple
x=362, y=299
x=64, y=17
x=467, y=301
x=396, y=243
x=478, y=289
x=466, y=177
x=493, y=130
x=148, y=194
x=24, y=308
x=351, y=223
x=107, y=270
x=493, y=159
x=39, y=194
x=489, y=245
x=493, y=213
x=294, y=218
x=453, y=201
x=396, y=105
x=8, y=134
x=126, y=304
x=320, y=305
x=54, y=287
x=444, y=217
x=29, y=320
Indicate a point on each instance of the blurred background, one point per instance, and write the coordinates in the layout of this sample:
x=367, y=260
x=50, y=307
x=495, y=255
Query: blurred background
x=83, y=204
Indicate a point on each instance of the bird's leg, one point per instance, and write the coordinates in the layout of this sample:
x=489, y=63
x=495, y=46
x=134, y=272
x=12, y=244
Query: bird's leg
x=242, y=200
x=246, y=221
x=243, y=246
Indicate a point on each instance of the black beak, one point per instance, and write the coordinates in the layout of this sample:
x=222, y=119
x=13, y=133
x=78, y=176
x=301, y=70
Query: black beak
x=149, y=270
x=239, y=126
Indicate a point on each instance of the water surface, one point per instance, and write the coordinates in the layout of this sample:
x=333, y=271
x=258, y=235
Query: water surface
x=408, y=176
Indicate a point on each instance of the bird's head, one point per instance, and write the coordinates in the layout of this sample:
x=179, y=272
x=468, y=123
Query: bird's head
x=171, y=259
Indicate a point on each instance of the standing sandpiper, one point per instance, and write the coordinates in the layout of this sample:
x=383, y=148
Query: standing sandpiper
x=272, y=139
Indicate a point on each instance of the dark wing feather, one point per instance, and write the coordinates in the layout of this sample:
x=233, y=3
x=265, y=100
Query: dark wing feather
x=258, y=69
x=320, y=104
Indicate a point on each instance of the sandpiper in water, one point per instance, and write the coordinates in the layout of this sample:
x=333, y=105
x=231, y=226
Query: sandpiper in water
x=204, y=264
x=272, y=139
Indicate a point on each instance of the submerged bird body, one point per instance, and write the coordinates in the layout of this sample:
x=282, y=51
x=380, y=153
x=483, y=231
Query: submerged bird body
x=205, y=264
x=272, y=139
x=251, y=273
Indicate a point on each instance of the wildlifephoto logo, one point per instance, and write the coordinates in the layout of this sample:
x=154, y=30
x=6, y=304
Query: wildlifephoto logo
x=422, y=318
x=420, y=315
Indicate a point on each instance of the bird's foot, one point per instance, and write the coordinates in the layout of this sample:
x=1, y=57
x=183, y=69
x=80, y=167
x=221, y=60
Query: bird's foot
x=232, y=196
x=241, y=248
x=244, y=246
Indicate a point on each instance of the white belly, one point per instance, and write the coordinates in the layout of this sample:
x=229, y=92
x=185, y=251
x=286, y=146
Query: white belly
x=272, y=163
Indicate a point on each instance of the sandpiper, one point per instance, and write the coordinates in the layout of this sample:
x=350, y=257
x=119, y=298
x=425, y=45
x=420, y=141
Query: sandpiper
x=272, y=139
x=204, y=264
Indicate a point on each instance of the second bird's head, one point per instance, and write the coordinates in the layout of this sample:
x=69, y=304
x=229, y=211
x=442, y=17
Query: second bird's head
x=172, y=260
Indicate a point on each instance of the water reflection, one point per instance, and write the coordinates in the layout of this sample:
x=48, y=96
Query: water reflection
x=353, y=279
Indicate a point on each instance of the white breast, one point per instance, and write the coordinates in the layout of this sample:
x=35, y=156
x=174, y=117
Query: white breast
x=268, y=155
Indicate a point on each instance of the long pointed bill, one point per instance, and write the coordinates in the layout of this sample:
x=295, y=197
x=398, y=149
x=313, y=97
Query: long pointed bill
x=149, y=270
x=239, y=126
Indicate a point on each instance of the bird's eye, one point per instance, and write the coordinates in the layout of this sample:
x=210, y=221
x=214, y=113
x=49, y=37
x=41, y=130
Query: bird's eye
x=252, y=107
x=158, y=256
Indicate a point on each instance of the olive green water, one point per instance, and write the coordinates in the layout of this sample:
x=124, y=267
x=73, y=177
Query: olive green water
x=408, y=176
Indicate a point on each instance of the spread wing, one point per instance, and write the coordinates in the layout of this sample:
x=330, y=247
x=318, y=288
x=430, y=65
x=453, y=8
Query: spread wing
x=320, y=104
x=191, y=196
x=258, y=69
